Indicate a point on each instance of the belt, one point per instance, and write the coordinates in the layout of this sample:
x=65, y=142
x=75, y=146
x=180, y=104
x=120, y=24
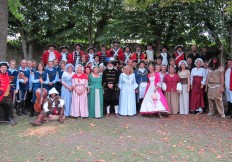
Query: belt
x=184, y=80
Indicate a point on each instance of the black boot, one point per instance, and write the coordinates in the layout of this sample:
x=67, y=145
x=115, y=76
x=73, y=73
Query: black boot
x=228, y=113
x=7, y=116
x=23, y=109
x=18, y=106
x=32, y=112
x=12, y=112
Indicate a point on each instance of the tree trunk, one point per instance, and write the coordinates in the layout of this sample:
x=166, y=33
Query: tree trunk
x=30, y=51
x=230, y=35
x=3, y=28
x=24, y=45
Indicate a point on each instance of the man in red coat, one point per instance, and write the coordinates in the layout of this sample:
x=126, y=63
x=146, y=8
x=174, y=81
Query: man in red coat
x=179, y=54
x=77, y=54
x=116, y=53
x=50, y=54
x=5, y=98
x=65, y=55
x=138, y=55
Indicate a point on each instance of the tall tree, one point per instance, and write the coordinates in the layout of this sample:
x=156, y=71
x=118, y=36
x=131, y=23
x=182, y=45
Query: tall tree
x=3, y=28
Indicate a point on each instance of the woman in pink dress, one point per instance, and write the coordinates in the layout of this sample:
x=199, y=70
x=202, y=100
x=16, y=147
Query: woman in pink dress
x=154, y=101
x=79, y=106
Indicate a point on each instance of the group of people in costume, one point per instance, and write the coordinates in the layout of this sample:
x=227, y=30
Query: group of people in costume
x=87, y=84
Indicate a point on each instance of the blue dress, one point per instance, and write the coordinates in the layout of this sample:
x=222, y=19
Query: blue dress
x=127, y=100
x=65, y=93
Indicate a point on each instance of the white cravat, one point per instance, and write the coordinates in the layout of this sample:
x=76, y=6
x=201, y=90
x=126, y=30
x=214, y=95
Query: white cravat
x=64, y=57
x=91, y=59
x=51, y=56
x=150, y=55
x=165, y=59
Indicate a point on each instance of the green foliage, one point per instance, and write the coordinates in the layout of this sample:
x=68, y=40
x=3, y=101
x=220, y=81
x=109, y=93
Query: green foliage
x=14, y=6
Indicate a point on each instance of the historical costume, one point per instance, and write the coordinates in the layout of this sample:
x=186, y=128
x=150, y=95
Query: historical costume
x=53, y=106
x=91, y=53
x=184, y=75
x=116, y=53
x=110, y=80
x=172, y=87
x=150, y=53
x=79, y=106
x=198, y=79
x=65, y=55
x=178, y=55
x=95, y=96
x=50, y=54
x=141, y=80
x=127, y=100
x=165, y=56
x=77, y=54
x=66, y=90
x=5, y=98
x=215, y=87
x=138, y=55
x=154, y=101
x=22, y=86
x=103, y=54
x=127, y=53
x=39, y=79
x=52, y=75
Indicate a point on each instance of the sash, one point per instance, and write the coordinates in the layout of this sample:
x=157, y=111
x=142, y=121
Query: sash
x=115, y=52
x=4, y=84
x=127, y=57
x=178, y=58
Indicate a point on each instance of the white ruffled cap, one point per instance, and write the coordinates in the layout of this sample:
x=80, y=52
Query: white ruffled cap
x=53, y=91
x=183, y=61
x=79, y=65
x=198, y=59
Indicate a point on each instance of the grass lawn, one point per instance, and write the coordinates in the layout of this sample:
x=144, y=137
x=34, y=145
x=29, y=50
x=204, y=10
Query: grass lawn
x=176, y=138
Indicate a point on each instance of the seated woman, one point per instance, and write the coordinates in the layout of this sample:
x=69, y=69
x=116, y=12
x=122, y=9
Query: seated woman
x=53, y=107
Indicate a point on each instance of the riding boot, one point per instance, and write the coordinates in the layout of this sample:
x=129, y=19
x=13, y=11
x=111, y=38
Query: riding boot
x=229, y=110
x=23, y=109
x=32, y=111
x=7, y=116
x=18, y=106
x=39, y=119
x=61, y=116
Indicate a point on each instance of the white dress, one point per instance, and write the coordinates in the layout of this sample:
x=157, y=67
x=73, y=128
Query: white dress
x=149, y=106
x=127, y=100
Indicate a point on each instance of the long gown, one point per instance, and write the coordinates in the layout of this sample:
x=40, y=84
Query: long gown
x=95, y=97
x=79, y=106
x=127, y=100
x=65, y=93
x=184, y=94
x=151, y=106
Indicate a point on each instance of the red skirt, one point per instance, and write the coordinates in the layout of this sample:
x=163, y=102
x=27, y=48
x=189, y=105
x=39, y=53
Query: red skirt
x=197, y=94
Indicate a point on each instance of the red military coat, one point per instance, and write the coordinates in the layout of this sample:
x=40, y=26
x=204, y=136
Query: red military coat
x=68, y=57
x=120, y=55
x=4, y=84
x=178, y=58
x=46, y=54
x=74, y=57
x=134, y=56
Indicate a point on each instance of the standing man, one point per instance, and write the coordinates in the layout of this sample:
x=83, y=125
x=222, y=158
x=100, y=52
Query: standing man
x=194, y=55
x=23, y=84
x=165, y=56
x=90, y=56
x=5, y=98
x=178, y=55
x=65, y=55
x=150, y=53
x=215, y=85
x=12, y=73
x=110, y=79
x=116, y=53
x=138, y=55
x=52, y=75
x=77, y=54
x=103, y=54
x=127, y=53
x=50, y=54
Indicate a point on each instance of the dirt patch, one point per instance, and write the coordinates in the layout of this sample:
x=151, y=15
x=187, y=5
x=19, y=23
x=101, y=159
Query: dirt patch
x=40, y=131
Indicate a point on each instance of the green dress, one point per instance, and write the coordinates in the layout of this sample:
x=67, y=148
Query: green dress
x=95, y=97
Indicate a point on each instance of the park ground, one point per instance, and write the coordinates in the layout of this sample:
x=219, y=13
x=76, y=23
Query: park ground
x=173, y=139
